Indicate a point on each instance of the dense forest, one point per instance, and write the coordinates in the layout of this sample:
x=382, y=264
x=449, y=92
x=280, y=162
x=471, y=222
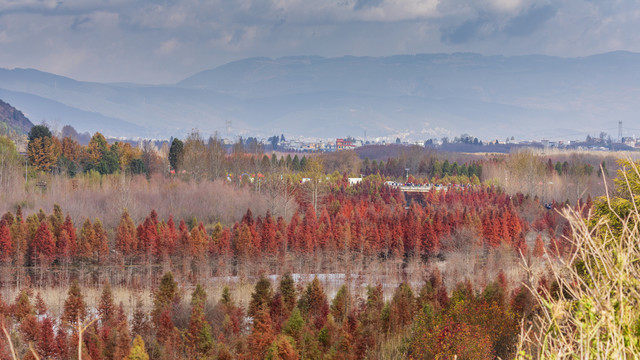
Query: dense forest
x=369, y=219
x=201, y=249
x=282, y=321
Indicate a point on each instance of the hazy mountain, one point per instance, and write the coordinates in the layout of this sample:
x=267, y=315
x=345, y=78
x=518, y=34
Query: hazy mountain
x=416, y=96
x=56, y=115
x=13, y=119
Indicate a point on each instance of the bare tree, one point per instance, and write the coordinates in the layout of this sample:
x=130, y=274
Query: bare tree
x=195, y=152
x=10, y=165
x=216, y=155
x=317, y=180
x=280, y=187
x=525, y=172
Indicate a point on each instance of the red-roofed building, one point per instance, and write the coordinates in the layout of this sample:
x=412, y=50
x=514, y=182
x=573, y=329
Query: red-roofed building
x=345, y=144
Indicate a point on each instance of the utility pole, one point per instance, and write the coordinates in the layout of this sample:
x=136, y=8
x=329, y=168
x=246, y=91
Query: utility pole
x=619, y=131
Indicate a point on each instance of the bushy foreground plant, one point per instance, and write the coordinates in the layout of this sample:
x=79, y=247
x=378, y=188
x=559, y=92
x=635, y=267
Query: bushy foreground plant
x=592, y=310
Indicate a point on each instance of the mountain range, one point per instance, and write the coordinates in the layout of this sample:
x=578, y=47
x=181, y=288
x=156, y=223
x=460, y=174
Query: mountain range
x=414, y=97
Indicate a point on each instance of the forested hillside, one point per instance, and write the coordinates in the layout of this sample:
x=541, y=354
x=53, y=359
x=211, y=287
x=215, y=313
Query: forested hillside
x=12, y=119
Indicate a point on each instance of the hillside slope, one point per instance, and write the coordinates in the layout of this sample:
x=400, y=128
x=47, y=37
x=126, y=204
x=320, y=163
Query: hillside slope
x=13, y=119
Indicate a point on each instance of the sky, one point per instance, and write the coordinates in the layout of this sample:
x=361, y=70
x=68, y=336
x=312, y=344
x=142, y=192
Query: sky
x=161, y=42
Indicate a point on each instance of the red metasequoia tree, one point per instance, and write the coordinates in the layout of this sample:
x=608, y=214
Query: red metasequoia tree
x=43, y=245
x=126, y=241
x=6, y=245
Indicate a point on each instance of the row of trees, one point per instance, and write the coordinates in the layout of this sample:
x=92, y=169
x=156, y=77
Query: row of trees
x=211, y=159
x=431, y=168
x=369, y=219
x=574, y=169
x=47, y=152
x=199, y=159
x=288, y=321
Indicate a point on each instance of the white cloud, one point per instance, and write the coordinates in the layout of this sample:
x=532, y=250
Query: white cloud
x=168, y=47
x=98, y=20
x=112, y=39
x=399, y=10
x=65, y=60
x=162, y=16
x=20, y=4
x=506, y=5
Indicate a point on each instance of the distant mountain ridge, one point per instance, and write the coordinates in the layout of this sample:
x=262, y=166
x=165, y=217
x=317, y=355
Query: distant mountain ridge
x=411, y=96
x=13, y=119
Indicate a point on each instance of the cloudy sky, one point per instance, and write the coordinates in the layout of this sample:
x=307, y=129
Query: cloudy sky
x=166, y=41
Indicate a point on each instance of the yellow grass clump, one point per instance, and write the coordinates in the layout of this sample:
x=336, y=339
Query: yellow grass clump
x=592, y=310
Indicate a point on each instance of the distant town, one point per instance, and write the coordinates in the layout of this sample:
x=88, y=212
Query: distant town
x=465, y=143
x=462, y=143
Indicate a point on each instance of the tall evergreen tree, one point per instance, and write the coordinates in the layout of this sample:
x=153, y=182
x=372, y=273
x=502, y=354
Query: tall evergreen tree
x=126, y=242
x=165, y=296
x=74, y=306
x=175, y=153
x=138, y=350
x=6, y=245
x=287, y=288
x=43, y=245
x=199, y=334
x=261, y=295
x=106, y=307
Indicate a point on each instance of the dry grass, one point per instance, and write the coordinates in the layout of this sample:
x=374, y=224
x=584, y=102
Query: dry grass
x=526, y=172
x=105, y=197
x=602, y=155
x=136, y=283
x=482, y=265
x=595, y=312
x=392, y=348
x=55, y=297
